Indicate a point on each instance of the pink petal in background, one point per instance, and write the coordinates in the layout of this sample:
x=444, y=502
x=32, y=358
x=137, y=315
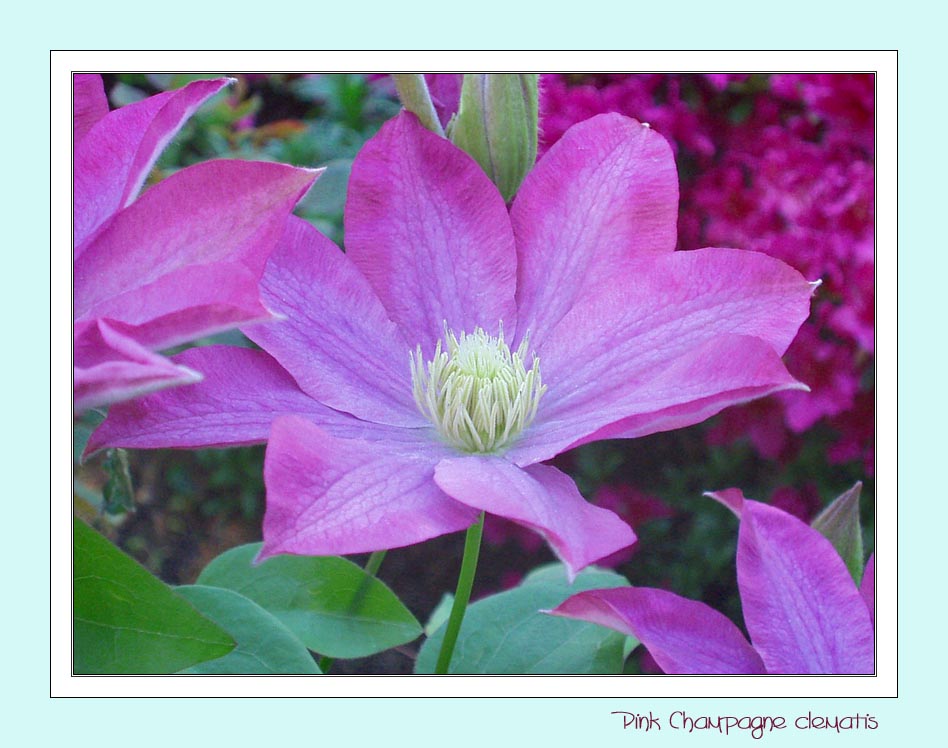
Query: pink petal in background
x=801, y=606
x=89, y=104
x=685, y=637
x=111, y=163
x=215, y=211
x=867, y=587
x=110, y=367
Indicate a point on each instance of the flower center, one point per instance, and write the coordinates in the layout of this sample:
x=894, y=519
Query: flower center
x=477, y=393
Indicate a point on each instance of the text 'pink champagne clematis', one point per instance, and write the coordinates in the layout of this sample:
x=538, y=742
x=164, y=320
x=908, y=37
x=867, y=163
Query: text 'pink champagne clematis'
x=181, y=261
x=803, y=611
x=424, y=375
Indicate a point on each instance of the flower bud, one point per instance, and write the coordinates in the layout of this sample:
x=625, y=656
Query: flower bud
x=497, y=125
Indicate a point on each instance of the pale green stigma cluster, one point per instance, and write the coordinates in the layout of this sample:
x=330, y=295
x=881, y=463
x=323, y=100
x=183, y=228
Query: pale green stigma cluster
x=477, y=393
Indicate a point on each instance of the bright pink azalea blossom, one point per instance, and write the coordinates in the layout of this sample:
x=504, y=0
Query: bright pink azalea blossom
x=580, y=276
x=181, y=261
x=803, y=611
x=792, y=177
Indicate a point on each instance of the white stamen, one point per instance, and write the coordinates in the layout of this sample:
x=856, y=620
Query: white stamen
x=477, y=393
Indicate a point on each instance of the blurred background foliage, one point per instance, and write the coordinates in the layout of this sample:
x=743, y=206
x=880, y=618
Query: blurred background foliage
x=781, y=164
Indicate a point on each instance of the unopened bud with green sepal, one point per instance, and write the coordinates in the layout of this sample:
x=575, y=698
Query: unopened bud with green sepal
x=839, y=523
x=497, y=125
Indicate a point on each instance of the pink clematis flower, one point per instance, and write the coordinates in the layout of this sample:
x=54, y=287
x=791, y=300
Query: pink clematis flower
x=423, y=376
x=804, y=613
x=181, y=261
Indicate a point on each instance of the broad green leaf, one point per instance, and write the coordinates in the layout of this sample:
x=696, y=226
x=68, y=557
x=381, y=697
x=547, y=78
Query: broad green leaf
x=328, y=602
x=264, y=645
x=126, y=621
x=506, y=633
x=839, y=523
x=555, y=574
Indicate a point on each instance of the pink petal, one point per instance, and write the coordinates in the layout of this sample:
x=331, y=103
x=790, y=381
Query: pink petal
x=732, y=498
x=335, y=338
x=541, y=498
x=242, y=393
x=212, y=212
x=445, y=89
x=868, y=587
x=113, y=160
x=733, y=369
x=431, y=234
x=684, y=335
x=188, y=303
x=801, y=606
x=110, y=367
x=685, y=637
x=89, y=104
x=328, y=496
x=607, y=190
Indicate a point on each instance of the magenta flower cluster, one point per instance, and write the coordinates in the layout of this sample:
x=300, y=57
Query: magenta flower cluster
x=783, y=165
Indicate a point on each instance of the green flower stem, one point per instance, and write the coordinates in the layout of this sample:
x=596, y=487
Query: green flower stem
x=472, y=548
x=371, y=568
x=374, y=562
x=415, y=97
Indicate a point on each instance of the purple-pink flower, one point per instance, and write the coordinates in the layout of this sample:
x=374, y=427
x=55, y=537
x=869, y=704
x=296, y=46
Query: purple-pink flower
x=180, y=261
x=802, y=609
x=425, y=374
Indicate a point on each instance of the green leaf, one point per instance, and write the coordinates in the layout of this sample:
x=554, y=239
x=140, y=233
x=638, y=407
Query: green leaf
x=168, y=81
x=123, y=94
x=126, y=621
x=82, y=429
x=440, y=614
x=328, y=602
x=506, y=633
x=839, y=523
x=264, y=645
